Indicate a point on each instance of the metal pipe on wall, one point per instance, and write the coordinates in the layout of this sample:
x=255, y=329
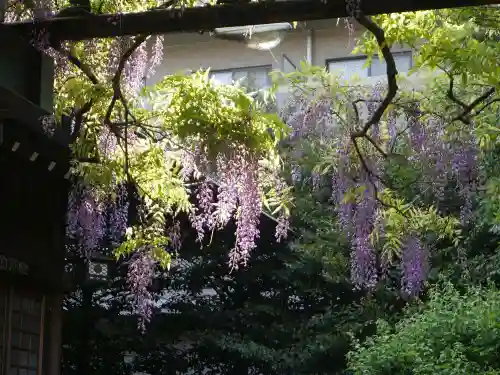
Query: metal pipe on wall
x=310, y=46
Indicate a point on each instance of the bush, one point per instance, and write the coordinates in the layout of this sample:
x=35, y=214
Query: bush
x=452, y=334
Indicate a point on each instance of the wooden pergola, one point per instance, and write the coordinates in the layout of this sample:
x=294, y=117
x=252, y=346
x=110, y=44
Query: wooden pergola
x=207, y=18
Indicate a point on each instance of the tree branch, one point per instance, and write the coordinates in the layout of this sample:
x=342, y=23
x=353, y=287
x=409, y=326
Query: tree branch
x=116, y=80
x=465, y=115
x=80, y=65
x=117, y=93
x=392, y=72
x=467, y=109
x=496, y=100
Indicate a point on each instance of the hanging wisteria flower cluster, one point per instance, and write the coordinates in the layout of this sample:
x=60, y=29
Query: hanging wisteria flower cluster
x=95, y=222
x=408, y=137
x=238, y=195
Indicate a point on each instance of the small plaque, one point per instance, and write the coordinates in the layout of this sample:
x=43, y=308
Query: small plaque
x=13, y=265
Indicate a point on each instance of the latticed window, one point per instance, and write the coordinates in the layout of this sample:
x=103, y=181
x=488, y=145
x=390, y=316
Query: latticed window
x=357, y=66
x=253, y=78
x=21, y=329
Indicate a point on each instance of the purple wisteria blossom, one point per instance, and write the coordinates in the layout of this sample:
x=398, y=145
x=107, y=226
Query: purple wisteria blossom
x=282, y=228
x=414, y=266
x=203, y=216
x=85, y=220
x=363, y=258
x=118, y=216
x=227, y=195
x=249, y=211
x=139, y=278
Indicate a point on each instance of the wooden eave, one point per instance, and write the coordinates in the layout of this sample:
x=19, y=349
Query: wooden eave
x=210, y=17
x=21, y=132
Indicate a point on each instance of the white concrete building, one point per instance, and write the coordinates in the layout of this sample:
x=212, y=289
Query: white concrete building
x=327, y=43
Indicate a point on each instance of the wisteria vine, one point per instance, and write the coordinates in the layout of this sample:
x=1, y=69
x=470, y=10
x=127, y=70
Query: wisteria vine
x=129, y=181
x=367, y=129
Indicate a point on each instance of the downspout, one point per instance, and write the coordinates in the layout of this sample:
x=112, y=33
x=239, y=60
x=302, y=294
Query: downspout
x=309, y=46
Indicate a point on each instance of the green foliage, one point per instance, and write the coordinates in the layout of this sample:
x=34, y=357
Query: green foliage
x=400, y=219
x=189, y=113
x=219, y=118
x=453, y=334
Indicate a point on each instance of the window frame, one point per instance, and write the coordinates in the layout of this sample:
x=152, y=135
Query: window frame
x=365, y=57
x=267, y=67
x=8, y=294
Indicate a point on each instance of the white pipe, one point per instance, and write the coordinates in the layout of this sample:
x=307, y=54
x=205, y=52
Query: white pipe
x=309, y=46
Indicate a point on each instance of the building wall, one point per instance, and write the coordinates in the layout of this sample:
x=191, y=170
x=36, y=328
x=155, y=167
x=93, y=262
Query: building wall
x=318, y=42
x=330, y=39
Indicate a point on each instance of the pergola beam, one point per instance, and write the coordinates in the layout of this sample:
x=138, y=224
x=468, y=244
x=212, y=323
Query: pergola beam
x=211, y=17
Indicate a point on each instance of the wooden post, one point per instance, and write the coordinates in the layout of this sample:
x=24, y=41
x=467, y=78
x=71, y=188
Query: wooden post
x=54, y=332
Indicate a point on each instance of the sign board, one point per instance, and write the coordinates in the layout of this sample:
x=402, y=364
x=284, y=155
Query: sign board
x=13, y=265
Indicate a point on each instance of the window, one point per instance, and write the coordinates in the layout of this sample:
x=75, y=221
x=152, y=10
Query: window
x=21, y=322
x=352, y=66
x=348, y=68
x=403, y=64
x=287, y=66
x=254, y=78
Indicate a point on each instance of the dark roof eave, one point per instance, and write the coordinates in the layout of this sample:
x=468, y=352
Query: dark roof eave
x=208, y=18
x=15, y=107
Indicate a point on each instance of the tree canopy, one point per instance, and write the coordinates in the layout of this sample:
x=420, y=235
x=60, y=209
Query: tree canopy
x=401, y=169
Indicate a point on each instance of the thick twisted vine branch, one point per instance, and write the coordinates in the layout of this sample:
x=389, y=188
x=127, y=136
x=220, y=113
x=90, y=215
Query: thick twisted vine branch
x=116, y=82
x=467, y=109
x=79, y=113
x=391, y=73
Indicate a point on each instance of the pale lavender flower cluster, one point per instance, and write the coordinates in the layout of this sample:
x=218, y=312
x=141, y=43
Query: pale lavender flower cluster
x=353, y=7
x=341, y=183
x=312, y=117
x=188, y=163
x=203, y=215
x=85, y=220
x=296, y=174
x=363, y=258
x=174, y=232
x=107, y=143
x=40, y=40
x=156, y=55
x=139, y=279
x=464, y=167
x=91, y=219
x=283, y=224
x=135, y=70
x=443, y=157
x=418, y=134
x=282, y=228
x=315, y=180
x=118, y=216
x=414, y=266
x=116, y=50
x=227, y=196
x=249, y=210
x=372, y=105
x=48, y=124
x=392, y=127
x=357, y=220
x=238, y=194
